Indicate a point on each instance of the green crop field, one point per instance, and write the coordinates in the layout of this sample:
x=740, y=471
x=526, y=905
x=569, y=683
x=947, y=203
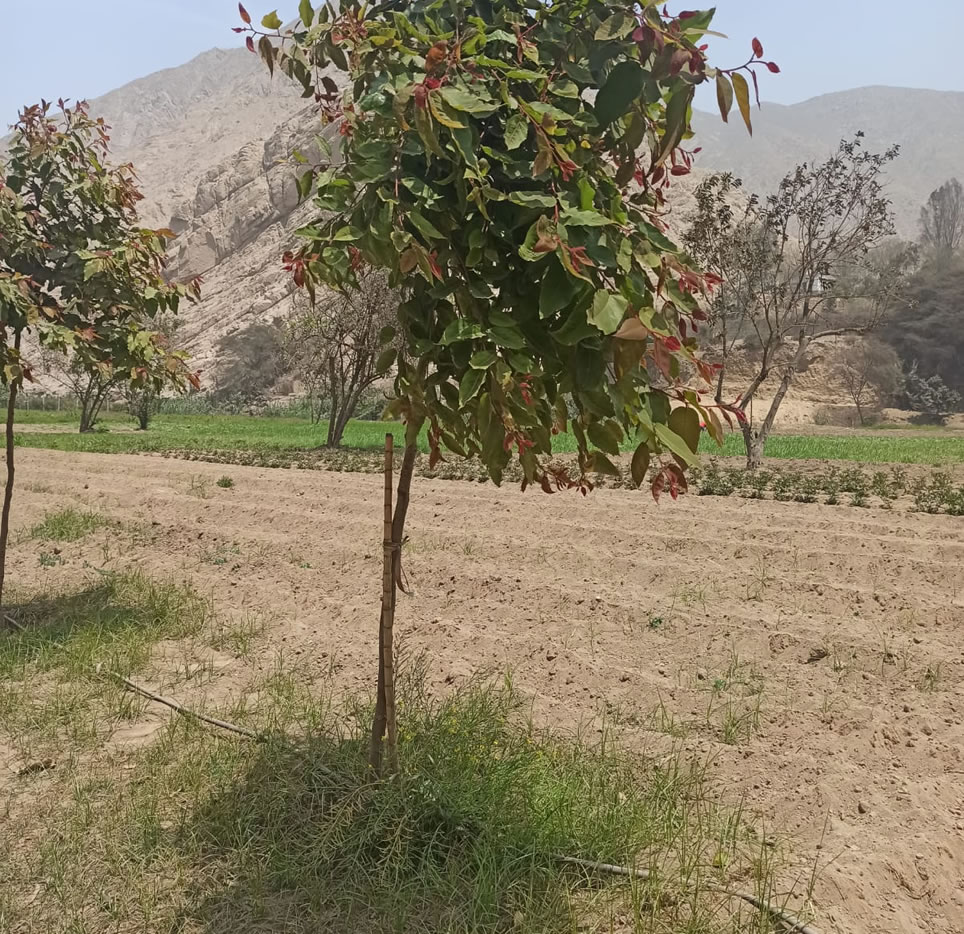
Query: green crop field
x=245, y=433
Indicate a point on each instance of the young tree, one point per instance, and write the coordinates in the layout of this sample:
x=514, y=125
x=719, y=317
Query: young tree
x=89, y=386
x=805, y=265
x=491, y=164
x=930, y=396
x=76, y=273
x=942, y=220
x=334, y=343
x=251, y=361
x=869, y=371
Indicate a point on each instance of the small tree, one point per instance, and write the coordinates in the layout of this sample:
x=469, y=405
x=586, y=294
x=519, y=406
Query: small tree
x=942, y=220
x=869, y=371
x=76, y=273
x=333, y=345
x=491, y=165
x=930, y=396
x=91, y=387
x=804, y=266
x=251, y=361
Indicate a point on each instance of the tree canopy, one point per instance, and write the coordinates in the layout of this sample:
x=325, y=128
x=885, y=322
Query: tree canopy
x=75, y=269
x=507, y=164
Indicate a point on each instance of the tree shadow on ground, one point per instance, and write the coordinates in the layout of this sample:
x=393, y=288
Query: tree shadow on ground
x=464, y=838
x=117, y=619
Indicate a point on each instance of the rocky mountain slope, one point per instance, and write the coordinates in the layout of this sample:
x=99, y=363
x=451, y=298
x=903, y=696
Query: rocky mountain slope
x=927, y=125
x=210, y=137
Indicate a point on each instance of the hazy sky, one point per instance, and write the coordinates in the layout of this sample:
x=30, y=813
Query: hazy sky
x=83, y=48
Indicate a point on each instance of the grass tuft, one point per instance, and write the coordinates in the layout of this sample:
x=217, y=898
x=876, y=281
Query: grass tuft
x=67, y=525
x=214, y=834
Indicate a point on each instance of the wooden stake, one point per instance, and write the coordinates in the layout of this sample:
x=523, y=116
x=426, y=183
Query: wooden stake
x=388, y=610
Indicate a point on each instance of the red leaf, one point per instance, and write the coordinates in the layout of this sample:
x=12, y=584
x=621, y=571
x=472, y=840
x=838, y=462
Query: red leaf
x=638, y=34
x=756, y=87
x=679, y=170
x=659, y=484
x=774, y=67
x=687, y=14
x=245, y=16
x=758, y=48
x=237, y=29
x=672, y=344
x=249, y=42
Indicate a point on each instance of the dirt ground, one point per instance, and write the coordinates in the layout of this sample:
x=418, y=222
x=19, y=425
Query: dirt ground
x=812, y=654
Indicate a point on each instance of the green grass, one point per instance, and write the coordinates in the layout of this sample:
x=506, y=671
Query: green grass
x=286, y=435
x=50, y=688
x=67, y=525
x=203, y=832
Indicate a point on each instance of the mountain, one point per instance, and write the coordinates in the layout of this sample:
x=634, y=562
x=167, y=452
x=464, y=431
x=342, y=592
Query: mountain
x=210, y=138
x=176, y=124
x=927, y=125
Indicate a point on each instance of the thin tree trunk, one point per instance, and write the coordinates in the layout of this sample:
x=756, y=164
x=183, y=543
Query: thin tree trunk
x=384, y=724
x=385, y=699
x=8, y=488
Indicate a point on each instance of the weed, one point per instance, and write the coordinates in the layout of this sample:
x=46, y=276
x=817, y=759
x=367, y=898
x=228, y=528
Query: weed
x=199, y=486
x=67, y=525
x=50, y=559
x=930, y=680
x=465, y=839
x=225, y=482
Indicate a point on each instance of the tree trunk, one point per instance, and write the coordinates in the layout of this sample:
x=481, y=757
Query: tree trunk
x=384, y=725
x=8, y=488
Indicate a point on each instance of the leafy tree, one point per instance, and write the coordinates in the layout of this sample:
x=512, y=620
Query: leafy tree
x=930, y=396
x=869, y=371
x=333, y=345
x=77, y=275
x=144, y=399
x=89, y=386
x=506, y=164
x=928, y=331
x=251, y=361
x=942, y=220
x=808, y=263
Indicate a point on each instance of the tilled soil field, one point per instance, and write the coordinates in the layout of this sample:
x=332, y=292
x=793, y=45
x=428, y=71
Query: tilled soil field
x=812, y=655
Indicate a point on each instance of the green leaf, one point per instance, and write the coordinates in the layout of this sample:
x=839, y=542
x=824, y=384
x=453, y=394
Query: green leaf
x=306, y=12
x=677, y=121
x=460, y=330
x=509, y=337
x=556, y=290
x=532, y=199
x=271, y=20
x=617, y=26
x=608, y=310
x=470, y=385
x=385, y=360
x=640, y=465
x=603, y=465
x=685, y=422
x=563, y=88
x=516, y=131
x=483, y=359
x=424, y=225
x=606, y=435
x=426, y=130
x=674, y=443
x=624, y=84
x=742, y=90
x=724, y=96
x=458, y=99
x=584, y=218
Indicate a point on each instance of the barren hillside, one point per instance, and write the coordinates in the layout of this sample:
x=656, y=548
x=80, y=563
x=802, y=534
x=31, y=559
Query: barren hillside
x=209, y=139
